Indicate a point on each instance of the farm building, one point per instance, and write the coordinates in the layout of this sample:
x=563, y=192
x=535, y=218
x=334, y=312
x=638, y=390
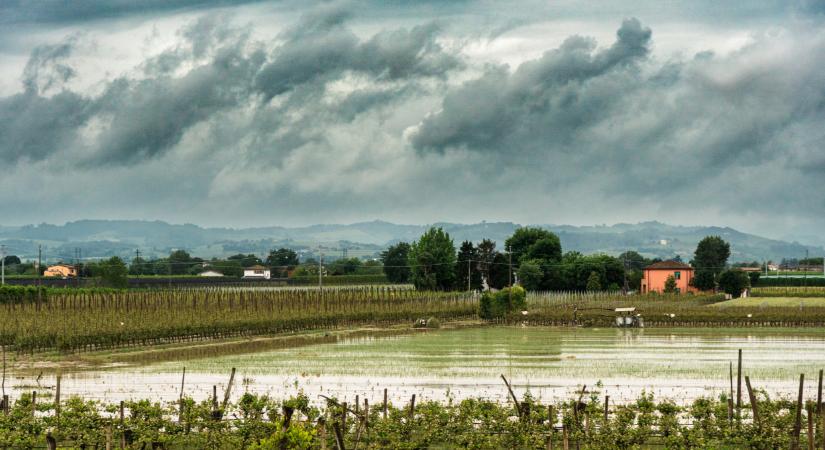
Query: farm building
x=60, y=270
x=256, y=272
x=210, y=273
x=655, y=275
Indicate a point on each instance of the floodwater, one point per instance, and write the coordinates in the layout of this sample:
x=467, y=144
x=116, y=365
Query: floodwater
x=552, y=363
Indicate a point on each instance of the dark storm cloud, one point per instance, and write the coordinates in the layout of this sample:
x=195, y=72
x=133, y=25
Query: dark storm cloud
x=140, y=118
x=321, y=47
x=547, y=98
x=23, y=11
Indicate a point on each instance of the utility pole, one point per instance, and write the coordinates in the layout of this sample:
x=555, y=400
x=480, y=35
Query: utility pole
x=469, y=277
x=3, y=264
x=137, y=262
x=625, y=289
x=39, y=261
x=321, y=272
x=805, y=274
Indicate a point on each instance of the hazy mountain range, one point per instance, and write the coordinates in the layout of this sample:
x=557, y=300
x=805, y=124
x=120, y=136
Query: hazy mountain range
x=102, y=238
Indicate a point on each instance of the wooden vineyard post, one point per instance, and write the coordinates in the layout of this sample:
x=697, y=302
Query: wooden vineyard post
x=357, y=404
x=752, y=398
x=797, y=428
x=819, y=395
x=811, y=440
x=385, y=403
x=366, y=414
x=57, y=402
x=339, y=436
x=228, y=390
x=606, y=408
x=412, y=408
x=551, y=422
x=6, y=404
x=344, y=416
x=109, y=438
x=34, y=402
x=565, y=437
x=730, y=411
x=739, y=384
x=513, y=396
x=122, y=428
x=180, y=399
x=323, y=423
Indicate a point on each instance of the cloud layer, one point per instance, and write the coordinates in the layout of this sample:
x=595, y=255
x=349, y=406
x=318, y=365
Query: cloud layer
x=329, y=117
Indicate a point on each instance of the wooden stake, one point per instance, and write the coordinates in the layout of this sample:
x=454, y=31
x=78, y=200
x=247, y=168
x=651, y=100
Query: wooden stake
x=57, y=402
x=109, y=438
x=180, y=399
x=797, y=428
x=565, y=438
x=819, y=395
x=339, y=437
x=512, y=395
x=412, y=408
x=811, y=441
x=606, y=408
x=752, y=398
x=385, y=403
x=34, y=402
x=551, y=422
x=228, y=390
x=739, y=383
x=122, y=430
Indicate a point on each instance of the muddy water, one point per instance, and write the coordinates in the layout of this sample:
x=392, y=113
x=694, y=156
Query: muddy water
x=551, y=363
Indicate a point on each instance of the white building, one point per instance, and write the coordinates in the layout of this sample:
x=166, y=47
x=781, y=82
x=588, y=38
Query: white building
x=210, y=273
x=256, y=272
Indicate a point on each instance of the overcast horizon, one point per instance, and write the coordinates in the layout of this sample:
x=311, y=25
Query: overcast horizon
x=292, y=113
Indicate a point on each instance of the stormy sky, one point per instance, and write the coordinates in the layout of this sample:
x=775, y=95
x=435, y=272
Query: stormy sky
x=299, y=112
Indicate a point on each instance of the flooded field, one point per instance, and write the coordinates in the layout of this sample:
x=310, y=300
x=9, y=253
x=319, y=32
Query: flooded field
x=552, y=363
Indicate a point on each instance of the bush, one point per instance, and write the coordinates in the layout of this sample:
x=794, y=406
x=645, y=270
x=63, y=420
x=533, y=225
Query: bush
x=733, y=282
x=498, y=304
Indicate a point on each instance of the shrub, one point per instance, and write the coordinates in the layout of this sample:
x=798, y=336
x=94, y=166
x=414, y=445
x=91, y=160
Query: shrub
x=499, y=304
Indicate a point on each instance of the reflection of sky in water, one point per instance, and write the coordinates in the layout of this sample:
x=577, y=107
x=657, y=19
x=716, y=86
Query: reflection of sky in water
x=676, y=363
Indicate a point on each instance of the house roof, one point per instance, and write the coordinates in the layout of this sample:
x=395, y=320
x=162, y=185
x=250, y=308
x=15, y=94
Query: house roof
x=69, y=266
x=258, y=267
x=668, y=265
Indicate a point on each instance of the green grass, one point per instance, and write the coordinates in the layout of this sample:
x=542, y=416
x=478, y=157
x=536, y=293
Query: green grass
x=772, y=302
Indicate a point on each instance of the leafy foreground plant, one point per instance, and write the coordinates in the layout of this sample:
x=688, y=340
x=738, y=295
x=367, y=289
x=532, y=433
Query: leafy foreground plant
x=260, y=422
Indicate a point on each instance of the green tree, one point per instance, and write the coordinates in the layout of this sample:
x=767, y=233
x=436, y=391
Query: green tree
x=734, y=282
x=246, y=260
x=281, y=261
x=499, y=271
x=634, y=260
x=594, y=282
x=709, y=261
x=396, y=266
x=670, y=284
x=11, y=260
x=498, y=304
x=180, y=262
x=114, y=273
x=466, y=268
x=523, y=244
x=433, y=258
x=531, y=275
x=344, y=266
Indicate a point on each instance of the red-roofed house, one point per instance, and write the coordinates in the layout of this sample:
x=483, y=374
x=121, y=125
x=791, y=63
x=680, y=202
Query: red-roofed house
x=655, y=275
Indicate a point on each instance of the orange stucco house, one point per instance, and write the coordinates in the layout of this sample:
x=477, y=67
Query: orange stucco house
x=60, y=270
x=655, y=275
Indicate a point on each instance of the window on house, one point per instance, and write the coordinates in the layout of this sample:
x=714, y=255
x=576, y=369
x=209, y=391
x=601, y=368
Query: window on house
x=677, y=275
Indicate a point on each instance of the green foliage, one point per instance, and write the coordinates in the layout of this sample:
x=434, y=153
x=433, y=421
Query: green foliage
x=281, y=261
x=395, y=261
x=790, y=281
x=593, y=282
x=432, y=260
x=670, y=284
x=494, y=305
x=18, y=295
x=530, y=274
x=533, y=243
x=754, y=277
x=467, y=268
x=257, y=422
x=709, y=261
x=733, y=282
x=114, y=273
x=344, y=266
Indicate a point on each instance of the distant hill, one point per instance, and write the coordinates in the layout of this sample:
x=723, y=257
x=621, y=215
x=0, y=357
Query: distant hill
x=103, y=238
